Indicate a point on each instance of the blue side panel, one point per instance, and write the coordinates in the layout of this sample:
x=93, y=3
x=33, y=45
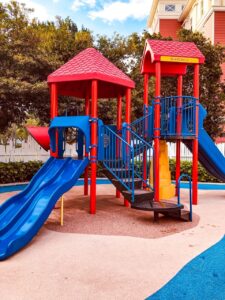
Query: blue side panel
x=80, y=122
x=23, y=215
x=80, y=143
x=100, y=140
x=150, y=122
x=209, y=155
x=106, y=144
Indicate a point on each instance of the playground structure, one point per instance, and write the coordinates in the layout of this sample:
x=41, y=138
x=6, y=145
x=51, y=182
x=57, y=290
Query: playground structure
x=133, y=155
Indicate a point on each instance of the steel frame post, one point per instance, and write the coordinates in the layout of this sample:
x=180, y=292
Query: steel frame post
x=128, y=120
x=119, y=128
x=179, y=128
x=87, y=112
x=54, y=111
x=195, y=141
x=146, y=78
x=94, y=141
x=157, y=128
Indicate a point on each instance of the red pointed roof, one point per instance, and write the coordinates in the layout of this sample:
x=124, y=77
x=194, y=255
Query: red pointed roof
x=174, y=56
x=175, y=49
x=88, y=65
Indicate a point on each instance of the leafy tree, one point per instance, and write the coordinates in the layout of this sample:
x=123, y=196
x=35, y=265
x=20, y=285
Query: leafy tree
x=212, y=95
x=29, y=52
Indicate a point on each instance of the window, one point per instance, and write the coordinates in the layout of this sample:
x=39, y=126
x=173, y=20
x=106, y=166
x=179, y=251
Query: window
x=169, y=7
x=182, y=7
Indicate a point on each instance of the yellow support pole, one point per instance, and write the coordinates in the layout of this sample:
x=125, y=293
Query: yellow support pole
x=61, y=210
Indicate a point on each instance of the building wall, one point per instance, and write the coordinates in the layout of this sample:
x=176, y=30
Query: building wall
x=169, y=28
x=162, y=14
x=208, y=28
x=219, y=36
x=219, y=27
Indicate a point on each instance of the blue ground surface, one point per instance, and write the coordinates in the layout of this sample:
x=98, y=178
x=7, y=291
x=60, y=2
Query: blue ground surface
x=21, y=187
x=203, y=278
x=184, y=185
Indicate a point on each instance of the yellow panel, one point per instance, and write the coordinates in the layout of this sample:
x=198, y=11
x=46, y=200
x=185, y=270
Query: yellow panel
x=166, y=188
x=179, y=59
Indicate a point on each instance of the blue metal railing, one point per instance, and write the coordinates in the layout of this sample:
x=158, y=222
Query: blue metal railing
x=170, y=112
x=190, y=192
x=144, y=125
x=118, y=158
x=142, y=150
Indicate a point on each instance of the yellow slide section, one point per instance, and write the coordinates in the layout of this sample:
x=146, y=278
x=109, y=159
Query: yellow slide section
x=166, y=188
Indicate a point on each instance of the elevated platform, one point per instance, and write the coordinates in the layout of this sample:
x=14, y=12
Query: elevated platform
x=165, y=208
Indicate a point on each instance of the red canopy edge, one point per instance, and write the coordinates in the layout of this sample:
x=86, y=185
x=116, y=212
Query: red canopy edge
x=40, y=135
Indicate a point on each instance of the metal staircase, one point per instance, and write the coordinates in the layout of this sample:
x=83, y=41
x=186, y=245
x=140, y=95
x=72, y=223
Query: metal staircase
x=122, y=163
x=126, y=156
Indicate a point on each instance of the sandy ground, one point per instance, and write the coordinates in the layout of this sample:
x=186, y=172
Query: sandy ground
x=59, y=265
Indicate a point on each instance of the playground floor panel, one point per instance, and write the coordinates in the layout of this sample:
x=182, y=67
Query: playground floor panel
x=84, y=260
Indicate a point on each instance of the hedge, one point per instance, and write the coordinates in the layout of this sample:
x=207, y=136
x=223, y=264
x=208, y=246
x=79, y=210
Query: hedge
x=186, y=168
x=18, y=171
x=23, y=171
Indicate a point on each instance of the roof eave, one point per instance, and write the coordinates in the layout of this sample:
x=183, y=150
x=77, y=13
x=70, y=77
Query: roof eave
x=92, y=76
x=186, y=10
x=152, y=13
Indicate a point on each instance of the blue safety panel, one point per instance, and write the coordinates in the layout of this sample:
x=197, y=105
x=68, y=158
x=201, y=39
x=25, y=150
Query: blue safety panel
x=23, y=215
x=105, y=142
x=209, y=155
x=60, y=123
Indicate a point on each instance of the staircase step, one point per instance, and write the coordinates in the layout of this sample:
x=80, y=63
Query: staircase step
x=140, y=196
x=125, y=173
x=128, y=182
x=165, y=208
x=185, y=215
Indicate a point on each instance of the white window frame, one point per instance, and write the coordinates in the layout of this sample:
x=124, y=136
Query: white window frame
x=170, y=7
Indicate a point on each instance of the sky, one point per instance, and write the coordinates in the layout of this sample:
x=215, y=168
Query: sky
x=102, y=17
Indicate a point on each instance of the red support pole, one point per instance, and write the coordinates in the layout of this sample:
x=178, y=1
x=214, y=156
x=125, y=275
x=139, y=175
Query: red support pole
x=54, y=100
x=157, y=128
x=145, y=106
x=87, y=112
x=119, y=128
x=195, y=141
x=127, y=120
x=179, y=128
x=54, y=112
x=94, y=140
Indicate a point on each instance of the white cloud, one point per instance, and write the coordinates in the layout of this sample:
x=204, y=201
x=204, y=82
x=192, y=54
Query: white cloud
x=121, y=11
x=40, y=11
x=79, y=3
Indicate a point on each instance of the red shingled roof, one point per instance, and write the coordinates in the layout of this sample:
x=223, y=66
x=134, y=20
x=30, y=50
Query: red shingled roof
x=173, y=48
x=184, y=53
x=87, y=65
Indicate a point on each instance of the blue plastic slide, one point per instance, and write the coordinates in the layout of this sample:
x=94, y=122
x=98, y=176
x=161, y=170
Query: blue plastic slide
x=209, y=155
x=23, y=215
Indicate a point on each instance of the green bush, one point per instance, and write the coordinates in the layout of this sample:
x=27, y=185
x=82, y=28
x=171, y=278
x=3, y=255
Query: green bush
x=23, y=171
x=186, y=168
x=18, y=171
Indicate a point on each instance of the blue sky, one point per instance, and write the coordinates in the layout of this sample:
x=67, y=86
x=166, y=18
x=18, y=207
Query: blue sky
x=102, y=17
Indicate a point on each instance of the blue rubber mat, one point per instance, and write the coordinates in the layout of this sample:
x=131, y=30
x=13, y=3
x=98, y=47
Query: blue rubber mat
x=21, y=187
x=203, y=278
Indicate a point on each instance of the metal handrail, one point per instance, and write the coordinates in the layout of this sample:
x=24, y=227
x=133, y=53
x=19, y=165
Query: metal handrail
x=190, y=192
x=169, y=112
x=121, y=167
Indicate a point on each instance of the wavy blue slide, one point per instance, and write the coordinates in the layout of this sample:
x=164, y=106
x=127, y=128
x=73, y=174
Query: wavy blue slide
x=23, y=215
x=209, y=155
